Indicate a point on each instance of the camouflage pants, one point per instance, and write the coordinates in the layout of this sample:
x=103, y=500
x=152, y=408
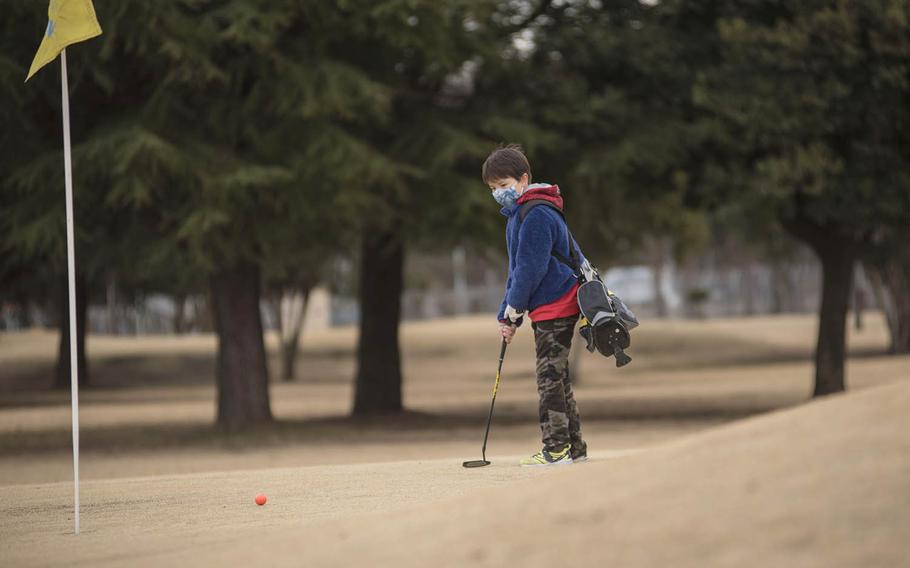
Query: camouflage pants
x=560, y=423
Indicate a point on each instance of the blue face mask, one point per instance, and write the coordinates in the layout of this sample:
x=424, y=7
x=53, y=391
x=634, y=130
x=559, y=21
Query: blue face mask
x=505, y=196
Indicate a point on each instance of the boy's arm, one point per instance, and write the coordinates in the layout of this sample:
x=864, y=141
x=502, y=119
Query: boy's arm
x=502, y=308
x=535, y=243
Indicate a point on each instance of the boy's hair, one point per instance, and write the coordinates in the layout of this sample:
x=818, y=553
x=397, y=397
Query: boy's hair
x=504, y=162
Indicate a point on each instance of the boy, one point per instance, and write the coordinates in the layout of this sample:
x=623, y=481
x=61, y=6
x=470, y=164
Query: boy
x=544, y=288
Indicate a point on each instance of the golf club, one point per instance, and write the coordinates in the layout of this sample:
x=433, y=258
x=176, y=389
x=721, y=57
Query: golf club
x=482, y=462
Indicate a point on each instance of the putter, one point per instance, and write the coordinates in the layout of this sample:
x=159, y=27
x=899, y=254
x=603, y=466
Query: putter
x=482, y=462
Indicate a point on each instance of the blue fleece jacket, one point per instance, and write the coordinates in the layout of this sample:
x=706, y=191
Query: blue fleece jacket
x=536, y=278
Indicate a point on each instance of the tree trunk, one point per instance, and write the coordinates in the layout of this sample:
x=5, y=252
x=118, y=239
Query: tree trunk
x=272, y=297
x=22, y=315
x=62, y=380
x=748, y=289
x=891, y=284
x=659, y=248
x=291, y=328
x=179, y=314
x=202, y=314
x=378, y=383
x=780, y=288
x=898, y=282
x=111, y=297
x=837, y=277
x=241, y=372
x=460, y=281
x=837, y=255
x=857, y=300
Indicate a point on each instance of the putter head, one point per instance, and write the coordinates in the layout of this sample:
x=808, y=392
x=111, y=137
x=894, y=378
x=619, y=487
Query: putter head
x=475, y=463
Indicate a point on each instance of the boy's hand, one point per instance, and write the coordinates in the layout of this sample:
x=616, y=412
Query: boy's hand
x=507, y=331
x=513, y=315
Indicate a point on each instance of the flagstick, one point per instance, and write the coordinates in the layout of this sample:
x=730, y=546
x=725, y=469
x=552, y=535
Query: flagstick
x=71, y=263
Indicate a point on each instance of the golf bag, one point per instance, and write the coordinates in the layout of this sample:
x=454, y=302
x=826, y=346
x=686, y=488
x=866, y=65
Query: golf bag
x=605, y=319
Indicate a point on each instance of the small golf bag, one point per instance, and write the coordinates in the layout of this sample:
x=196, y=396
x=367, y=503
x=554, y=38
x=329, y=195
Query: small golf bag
x=605, y=319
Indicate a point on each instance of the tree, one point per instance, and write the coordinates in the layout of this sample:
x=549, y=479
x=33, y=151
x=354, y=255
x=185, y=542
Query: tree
x=811, y=95
x=268, y=141
x=408, y=164
x=32, y=214
x=888, y=266
x=293, y=269
x=599, y=97
x=223, y=132
x=121, y=161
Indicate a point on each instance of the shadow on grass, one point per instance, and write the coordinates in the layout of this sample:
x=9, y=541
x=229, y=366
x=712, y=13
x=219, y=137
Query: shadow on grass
x=117, y=372
x=755, y=355
x=31, y=384
x=402, y=427
x=140, y=371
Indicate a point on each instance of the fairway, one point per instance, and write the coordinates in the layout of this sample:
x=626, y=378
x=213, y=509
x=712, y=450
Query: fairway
x=160, y=486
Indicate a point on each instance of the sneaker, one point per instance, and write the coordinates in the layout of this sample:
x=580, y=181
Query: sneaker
x=579, y=455
x=546, y=457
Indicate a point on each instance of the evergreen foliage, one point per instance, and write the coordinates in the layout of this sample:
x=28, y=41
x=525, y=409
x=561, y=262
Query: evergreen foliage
x=255, y=140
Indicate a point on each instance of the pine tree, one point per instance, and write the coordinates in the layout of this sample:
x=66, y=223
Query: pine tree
x=812, y=96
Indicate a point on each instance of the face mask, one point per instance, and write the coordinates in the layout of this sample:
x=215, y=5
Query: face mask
x=505, y=196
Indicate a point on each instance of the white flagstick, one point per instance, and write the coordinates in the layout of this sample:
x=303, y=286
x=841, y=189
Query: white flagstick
x=71, y=264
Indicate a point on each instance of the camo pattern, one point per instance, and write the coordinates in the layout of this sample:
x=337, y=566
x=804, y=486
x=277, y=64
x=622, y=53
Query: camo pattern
x=560, y=423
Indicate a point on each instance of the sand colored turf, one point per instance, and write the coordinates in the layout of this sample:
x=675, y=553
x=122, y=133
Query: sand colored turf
x=704, y=453
x=823, y=485
x=152, y=406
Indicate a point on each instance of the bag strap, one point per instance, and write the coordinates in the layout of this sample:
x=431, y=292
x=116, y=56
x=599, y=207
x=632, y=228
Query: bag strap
x=574, y=260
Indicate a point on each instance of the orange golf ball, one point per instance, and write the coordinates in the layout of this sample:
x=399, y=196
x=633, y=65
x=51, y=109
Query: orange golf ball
x=260, y=499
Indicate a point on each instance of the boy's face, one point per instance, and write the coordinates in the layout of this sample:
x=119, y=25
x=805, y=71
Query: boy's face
x=519, y=184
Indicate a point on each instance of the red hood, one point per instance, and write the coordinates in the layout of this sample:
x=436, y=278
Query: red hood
x=547, y=192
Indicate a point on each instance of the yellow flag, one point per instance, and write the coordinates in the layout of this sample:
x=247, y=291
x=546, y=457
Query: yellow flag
x=68, y=22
